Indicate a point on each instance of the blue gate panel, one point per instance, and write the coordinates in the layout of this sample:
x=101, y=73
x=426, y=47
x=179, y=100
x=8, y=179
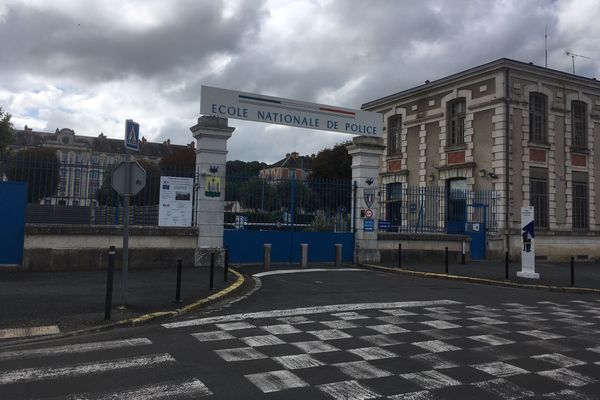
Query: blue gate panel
x=13, y=202
x=321, y=246
x=478, y=240
x=247, y=246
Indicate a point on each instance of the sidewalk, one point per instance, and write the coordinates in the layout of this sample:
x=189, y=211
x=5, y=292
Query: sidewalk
x=75, y=300
x=587, y=274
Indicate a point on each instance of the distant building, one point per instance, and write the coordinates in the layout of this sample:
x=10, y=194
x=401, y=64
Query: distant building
x=293, y=166
x=529, y=133
x=83, y=159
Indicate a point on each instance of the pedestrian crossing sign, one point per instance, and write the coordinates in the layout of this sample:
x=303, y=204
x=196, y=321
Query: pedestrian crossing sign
x=132, y=135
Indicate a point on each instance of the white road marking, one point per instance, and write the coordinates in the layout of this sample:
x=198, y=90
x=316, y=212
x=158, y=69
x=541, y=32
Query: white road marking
x=488, y=321
x=338, y=324
x=262, y=340
x=372, y=353
x=298, y=361
x=387, y=329
x=500, y=369
x=187, y=389
x=434, y=361
x=29, y=332
x=349, y=315
x=308, y=311
x=503, y=389
x=295, y=320
x=315, y=346
x=491, y=340
x=330, y=334
x=380, y=340
x=73, y=348
x=436, y=346
x=348, y=390
x=300, y=271
x=234, y=326
x=440, y=324
x=422, y=395
x=431, y=379
x=275, y=381
x=213, y=336
x=35, y=374
x=240, y=354
x=541, y=334
x=559, y=359
x=567, y=394
x=568, y=377
x=282, y=329
x=362, y=370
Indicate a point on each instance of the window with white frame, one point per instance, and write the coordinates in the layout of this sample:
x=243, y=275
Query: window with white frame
x=457, y=111
x=394, y=130
x=580, y=200
x=538, y=196
x=538, y=118
x=578, y=124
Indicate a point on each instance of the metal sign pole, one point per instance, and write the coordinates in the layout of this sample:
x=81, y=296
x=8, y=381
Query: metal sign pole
x=126, y=197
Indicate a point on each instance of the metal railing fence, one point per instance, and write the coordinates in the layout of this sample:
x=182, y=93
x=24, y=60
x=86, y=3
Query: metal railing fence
x=435, y=209
x=318, y=205
x=80, y=193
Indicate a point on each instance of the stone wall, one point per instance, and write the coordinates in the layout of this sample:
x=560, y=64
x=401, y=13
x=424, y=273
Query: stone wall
x=69, y=247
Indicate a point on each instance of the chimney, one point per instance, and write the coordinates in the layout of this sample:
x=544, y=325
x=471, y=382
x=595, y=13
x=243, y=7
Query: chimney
x=295, y=155
x=28, y=129
x=168, y=142
x=143, y=140
x=287, y=155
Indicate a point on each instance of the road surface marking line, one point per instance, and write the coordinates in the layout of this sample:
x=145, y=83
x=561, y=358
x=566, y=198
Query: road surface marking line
x=299, y=271
x=306, y=311
x=74, y=348
x=188, y=389
x=36, y=374
x=28, y=332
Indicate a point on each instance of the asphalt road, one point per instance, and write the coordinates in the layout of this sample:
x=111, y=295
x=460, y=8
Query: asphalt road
x=334, y=335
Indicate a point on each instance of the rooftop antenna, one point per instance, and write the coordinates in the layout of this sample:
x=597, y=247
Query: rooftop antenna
x=546, y=44
x=573, y=55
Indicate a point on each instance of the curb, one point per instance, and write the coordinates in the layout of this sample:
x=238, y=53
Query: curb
x=483, y=281
x=142, y=319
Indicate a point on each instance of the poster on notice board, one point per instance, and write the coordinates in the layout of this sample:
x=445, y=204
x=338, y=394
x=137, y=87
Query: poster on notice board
x=175, y=203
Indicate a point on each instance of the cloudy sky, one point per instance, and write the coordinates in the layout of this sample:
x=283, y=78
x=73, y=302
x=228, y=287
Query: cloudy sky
x=89, y=65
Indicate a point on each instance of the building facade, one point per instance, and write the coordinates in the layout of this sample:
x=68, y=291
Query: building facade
x=293, y=166
x=84, y=159
x=528, y=134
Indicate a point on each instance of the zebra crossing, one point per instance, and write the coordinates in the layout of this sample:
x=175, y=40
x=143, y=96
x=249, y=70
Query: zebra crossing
x=439, y=349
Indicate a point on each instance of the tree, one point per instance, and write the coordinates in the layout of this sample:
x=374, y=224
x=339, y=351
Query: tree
x=6, y=132
x=39, y=168
x=239, y=168
x=181, y=163
x=333, y=163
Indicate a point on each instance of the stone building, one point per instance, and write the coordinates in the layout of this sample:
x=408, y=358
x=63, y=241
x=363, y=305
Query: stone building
x=529, y=134
x=293, y=166
x=84, y=159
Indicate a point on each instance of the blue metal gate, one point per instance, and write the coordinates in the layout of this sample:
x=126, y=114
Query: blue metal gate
x=476, y=228
x=287, y=213
x=13, y=202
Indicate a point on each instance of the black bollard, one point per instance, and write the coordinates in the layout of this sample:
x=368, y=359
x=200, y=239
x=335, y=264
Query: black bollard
x=109, y=283
x=399, y=255
x=506, y=265
x=212, y=271
x=178, y=290
x=446, y=260
x=226, y=265
x=572, y=271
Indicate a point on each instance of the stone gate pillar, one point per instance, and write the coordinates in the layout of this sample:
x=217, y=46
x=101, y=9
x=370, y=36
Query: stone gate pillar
x=211, y=135
x=366, y=155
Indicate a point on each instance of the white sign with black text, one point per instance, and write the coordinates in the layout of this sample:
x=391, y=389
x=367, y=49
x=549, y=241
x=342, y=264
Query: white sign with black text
x=175, y=204
x=275, y=110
